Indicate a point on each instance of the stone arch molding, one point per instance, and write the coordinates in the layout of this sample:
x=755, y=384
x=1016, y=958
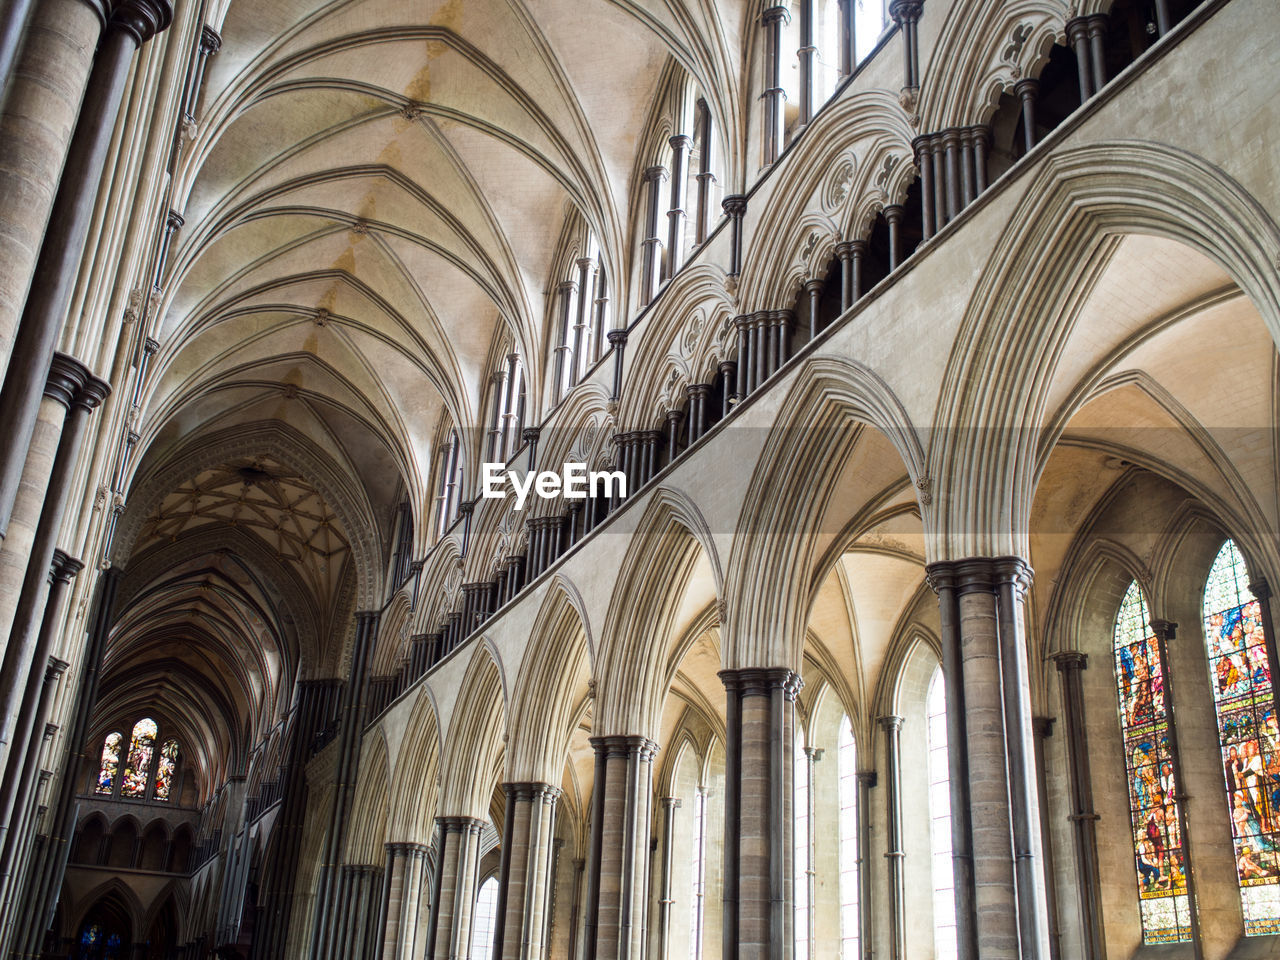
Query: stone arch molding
x=833, y=397
x=1020, y=316
x=287, y=445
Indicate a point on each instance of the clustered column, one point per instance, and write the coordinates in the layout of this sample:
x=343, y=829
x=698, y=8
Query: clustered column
x=618, y=857
x=1083, y=818
x=988, y=712
x=454, y=897
x=759, y=790
x=526, y=878
x=406, y=873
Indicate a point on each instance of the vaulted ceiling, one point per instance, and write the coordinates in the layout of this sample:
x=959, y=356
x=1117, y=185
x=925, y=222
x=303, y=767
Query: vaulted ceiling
x=372, y=197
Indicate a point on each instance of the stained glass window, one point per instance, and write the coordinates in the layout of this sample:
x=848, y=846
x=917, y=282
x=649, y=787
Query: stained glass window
x=138, y=766
x=944, y=897
x=1157, y=841
x=848, y=764
x=110, y=763
x=1240, y=676
x=164, y=769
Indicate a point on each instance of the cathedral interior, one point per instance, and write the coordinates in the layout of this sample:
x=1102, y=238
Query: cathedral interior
x=934, y=342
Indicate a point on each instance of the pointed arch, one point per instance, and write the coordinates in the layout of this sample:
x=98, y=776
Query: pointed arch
x=672, y=536
x=829, y=405
x=475, y=744
x=415, y=787
x=551, y=686
x=1021, y=315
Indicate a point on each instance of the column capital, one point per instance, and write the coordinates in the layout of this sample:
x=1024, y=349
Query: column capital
x=672, y=803
x=174, y=221
x=532, y=790
x=141, y=19
x=616, y=337
x=91, y=393
x=903, y=11
x=584, y=263
x=775, y=14
x=813, y=754
x=622, y=746
x=67, y=376
x=656, y=173
x=566, y=286
x=979, y=574
x=55, y=668
x=814, y=285
x=530, y=434
x=762, y=681
x=868, y=778
x=1164, y=629
x=472, y=825
x=1043, y=726
x=894, y=212
x=64, y=566
x=735, y=205
x=1068, y=661
x=1027, y=88
x=890, y=723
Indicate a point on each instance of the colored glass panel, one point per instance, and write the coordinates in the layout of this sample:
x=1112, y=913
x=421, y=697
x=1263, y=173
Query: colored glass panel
x=110, y=764
x=138, y=767
x=1243, y=698
x=1157, y=841
x=164, y=769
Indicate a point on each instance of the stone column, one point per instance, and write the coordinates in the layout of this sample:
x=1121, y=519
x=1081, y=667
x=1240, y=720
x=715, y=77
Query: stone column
x=619, y=879
x=774, y=19
x=582, y=323
x=893, y=214
x=977, y=758
x=681, y=146
x=41, y=102
x=866, y=882
x=1083, y=818
x=651, y=266
x=1026, y=90
x=735, y=206
x=706, y=176
x=894, y=853
x=131, y=24
x=455, y=894
x=808, y=54
x=1012, y=578
x=25, y=773
x=669, y=807
x=70, y=392
x=524, y=895
x=401, y=910
x=923, y=147
x=906, y=13
x=70, y=383
x=759, y=915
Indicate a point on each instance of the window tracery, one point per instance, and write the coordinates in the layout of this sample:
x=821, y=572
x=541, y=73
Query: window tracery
x=1248, y=734
x=144, y=768
x=1154, y=816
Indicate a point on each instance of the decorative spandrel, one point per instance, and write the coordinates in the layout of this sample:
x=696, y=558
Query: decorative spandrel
x=109, y=765
x=1157, y=841
x=1244, y=701
x=138, y=767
